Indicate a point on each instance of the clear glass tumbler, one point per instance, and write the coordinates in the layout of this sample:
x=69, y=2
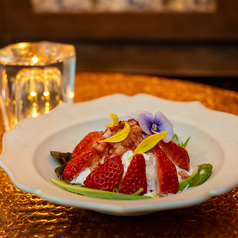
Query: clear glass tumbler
x=34, y=79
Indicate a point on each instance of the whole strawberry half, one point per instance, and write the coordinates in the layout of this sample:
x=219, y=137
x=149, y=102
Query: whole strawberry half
x=135, y=176
x=83, y=155
x=86, y=143
x=79, y=163
x=107, y=176
x=166, y=173
x=177, y=154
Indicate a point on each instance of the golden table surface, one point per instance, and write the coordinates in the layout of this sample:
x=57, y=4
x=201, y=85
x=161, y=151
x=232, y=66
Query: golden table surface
x=26, y=215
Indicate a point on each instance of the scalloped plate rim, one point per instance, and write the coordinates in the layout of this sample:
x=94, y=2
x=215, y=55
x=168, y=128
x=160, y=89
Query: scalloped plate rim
x=103, y=206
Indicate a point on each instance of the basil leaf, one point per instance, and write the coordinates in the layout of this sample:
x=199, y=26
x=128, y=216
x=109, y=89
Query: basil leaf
x=96, y=193
x=185, y=183
x=204, y=172
x=200, y=176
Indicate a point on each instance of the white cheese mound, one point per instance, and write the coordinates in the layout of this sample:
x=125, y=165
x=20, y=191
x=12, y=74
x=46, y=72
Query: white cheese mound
x=126, y=161
x=81, y=177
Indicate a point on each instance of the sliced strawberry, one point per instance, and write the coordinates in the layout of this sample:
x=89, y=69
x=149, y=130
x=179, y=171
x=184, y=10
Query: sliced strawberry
x=86, y=143
x=79, y=163
x=107, y=176
x=177, y=154
x=135, y=176
x=166, y=173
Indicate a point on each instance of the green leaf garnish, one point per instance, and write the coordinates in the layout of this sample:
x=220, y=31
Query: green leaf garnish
x=119, y=136
x=203, y=172
x=185, y=183
x=176, y=139
x=185, y=143
x=115, y=120
x=62, y=157
x=149, y=142
x=88, y=192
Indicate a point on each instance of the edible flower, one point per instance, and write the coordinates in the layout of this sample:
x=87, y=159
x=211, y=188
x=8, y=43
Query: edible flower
x=119, y=136
x=115, y=120
x=149, y=142
x=153, y=124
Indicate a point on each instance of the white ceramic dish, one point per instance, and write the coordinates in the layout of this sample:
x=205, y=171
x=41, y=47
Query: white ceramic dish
x=26, y=158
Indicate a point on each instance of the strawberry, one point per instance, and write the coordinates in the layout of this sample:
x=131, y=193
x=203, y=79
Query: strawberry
x=84, y=155
x=107, y=176
x=79, y=163
x=166, y=173
x=86, y=143
x=177, y=154
x=135, y=176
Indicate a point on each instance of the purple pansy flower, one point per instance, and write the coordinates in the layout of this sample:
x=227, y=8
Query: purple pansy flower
x=152, y=124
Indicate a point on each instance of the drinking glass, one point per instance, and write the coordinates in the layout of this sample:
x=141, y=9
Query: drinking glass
x=35, y=77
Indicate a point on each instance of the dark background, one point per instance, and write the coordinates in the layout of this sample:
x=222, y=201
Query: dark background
x=200, y=47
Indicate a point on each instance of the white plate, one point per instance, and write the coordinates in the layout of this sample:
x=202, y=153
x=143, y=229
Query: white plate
x=26, y=158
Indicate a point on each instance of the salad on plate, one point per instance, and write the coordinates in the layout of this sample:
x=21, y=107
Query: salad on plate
x=139, y=158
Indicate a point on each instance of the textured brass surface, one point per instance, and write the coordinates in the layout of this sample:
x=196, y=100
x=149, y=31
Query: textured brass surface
x=26, y=215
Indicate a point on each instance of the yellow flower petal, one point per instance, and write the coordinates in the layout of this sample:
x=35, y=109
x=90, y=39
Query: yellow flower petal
x=120, y=136
x=149, y=143
x=115, y=120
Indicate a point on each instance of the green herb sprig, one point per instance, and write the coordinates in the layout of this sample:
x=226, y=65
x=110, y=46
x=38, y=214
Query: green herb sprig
x=203, y=172
x=98, y=193
x=182, y=144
